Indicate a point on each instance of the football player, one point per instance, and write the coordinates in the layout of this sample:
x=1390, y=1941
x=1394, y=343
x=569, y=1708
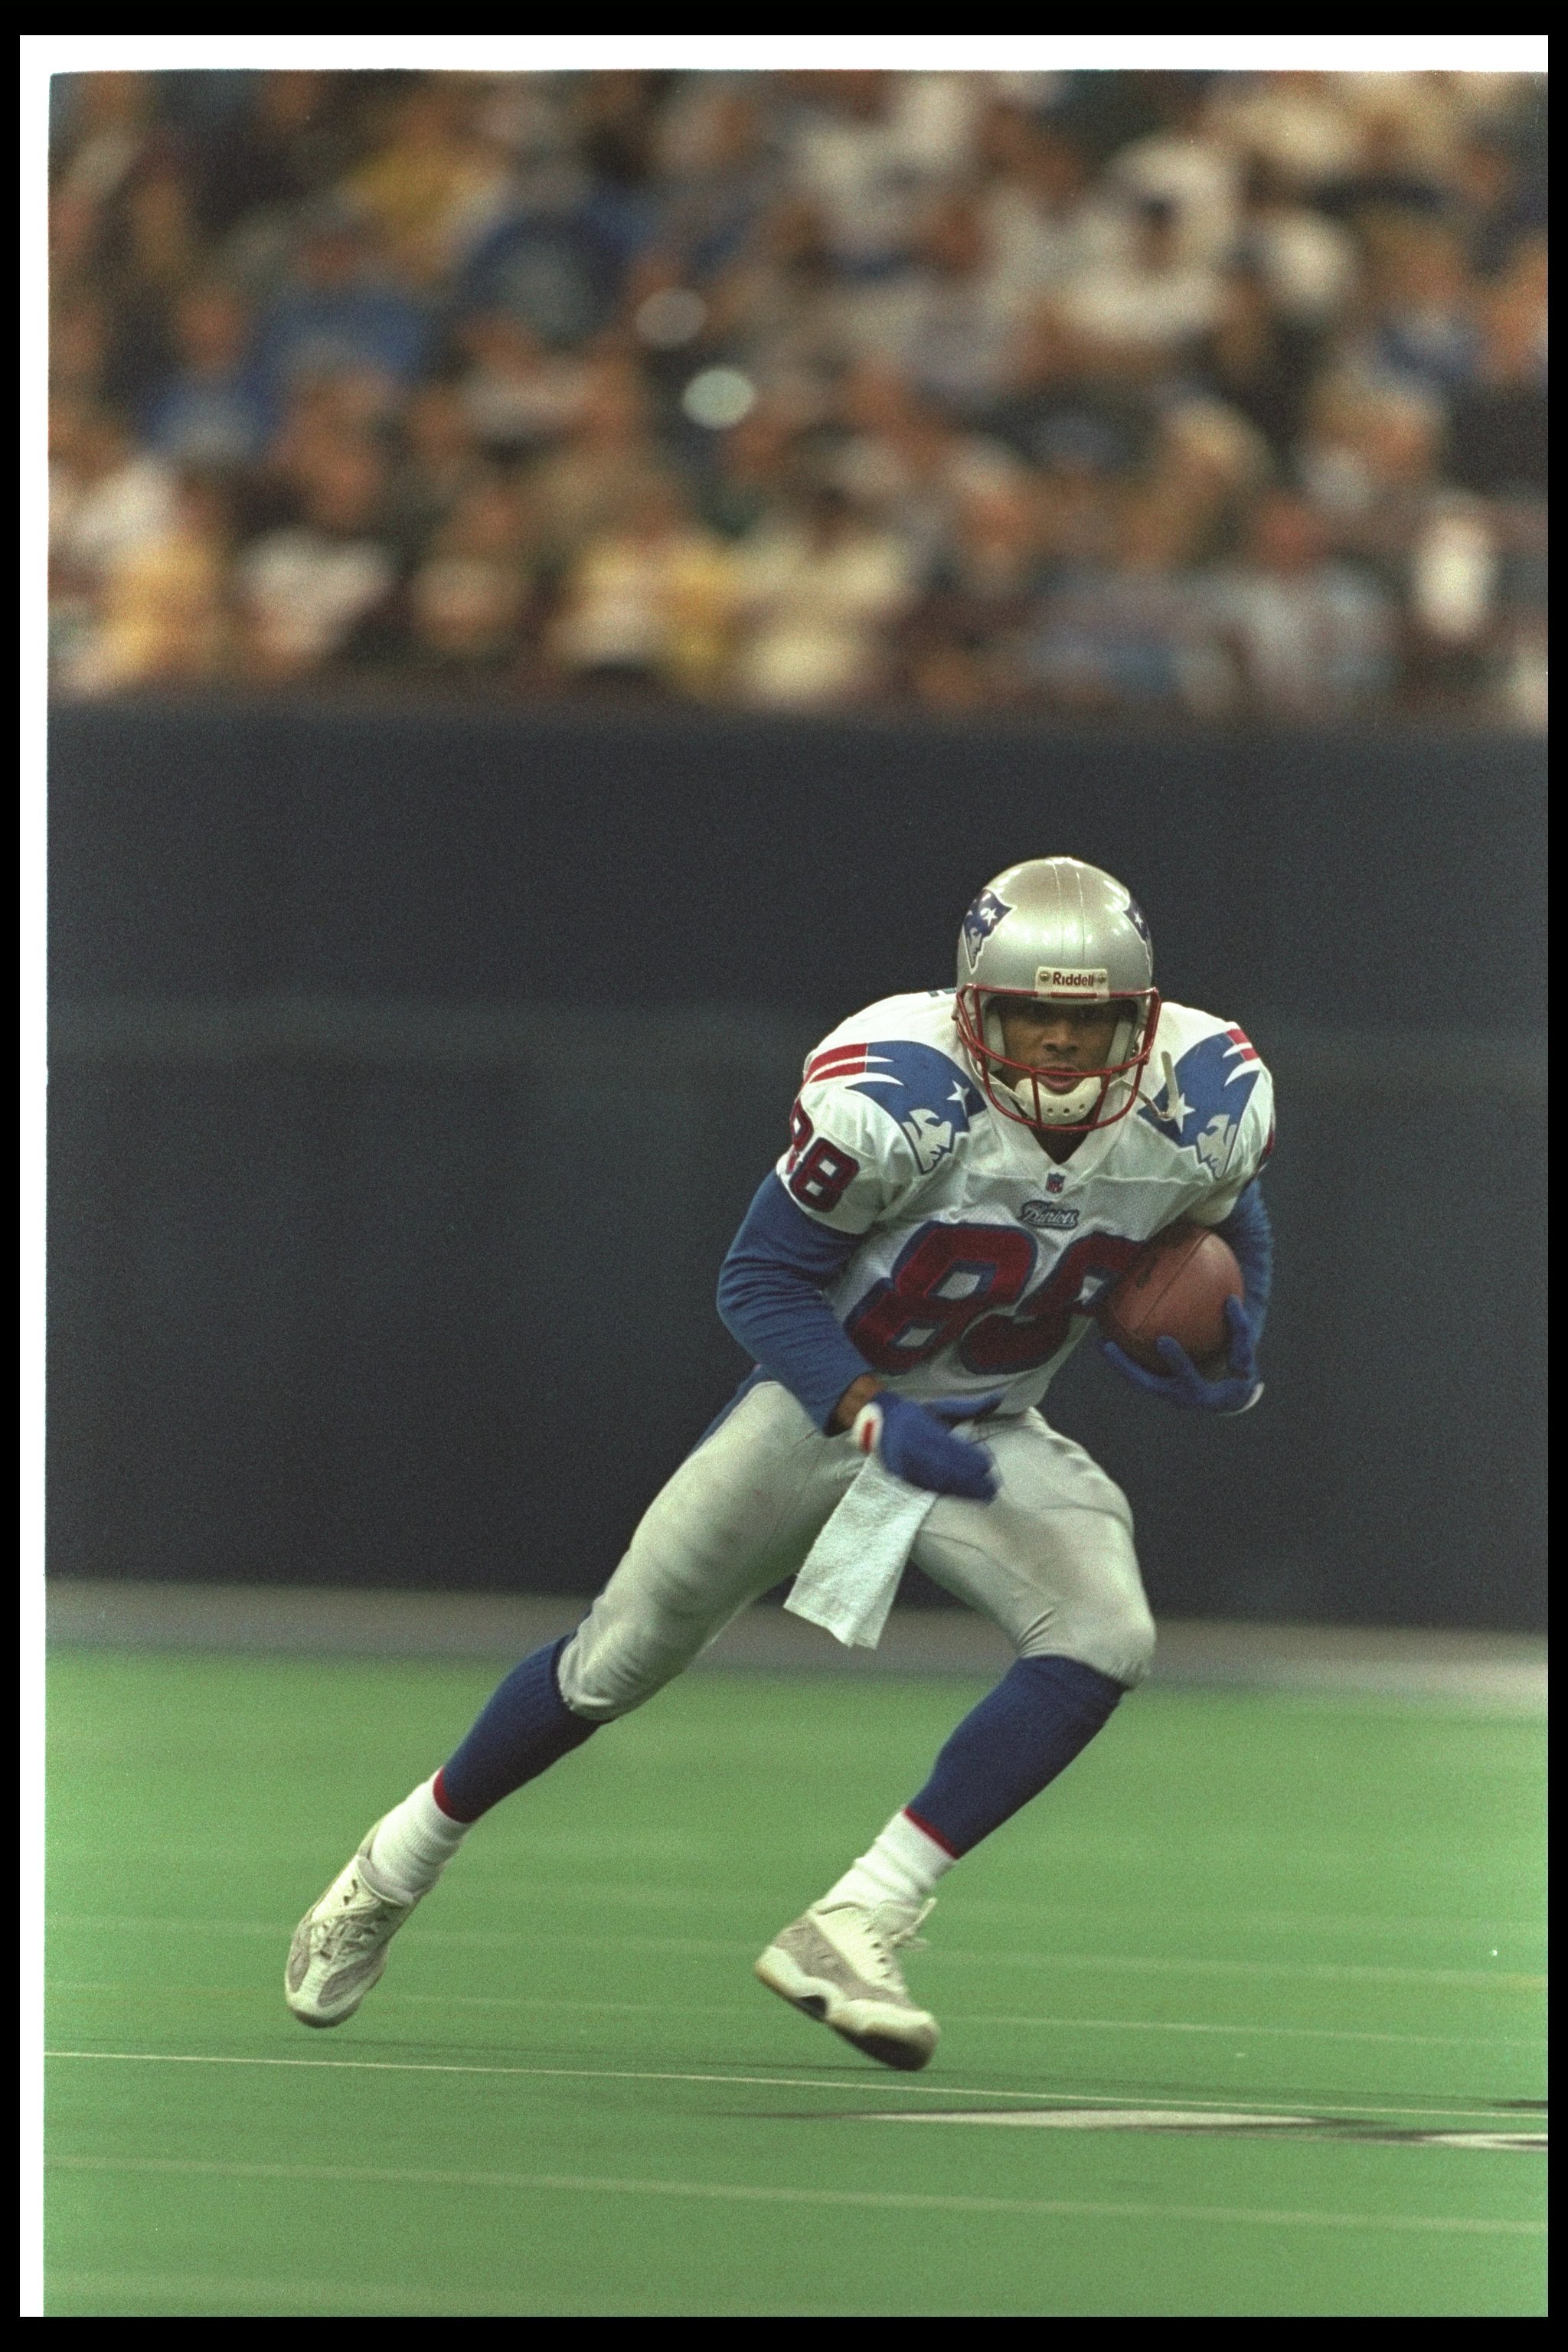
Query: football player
x=967, y=1169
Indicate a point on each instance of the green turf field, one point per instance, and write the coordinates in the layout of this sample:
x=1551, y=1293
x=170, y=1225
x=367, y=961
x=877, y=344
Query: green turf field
x=569, y=2095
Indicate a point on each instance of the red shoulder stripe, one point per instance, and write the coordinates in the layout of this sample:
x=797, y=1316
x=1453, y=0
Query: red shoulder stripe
x=837, y=1061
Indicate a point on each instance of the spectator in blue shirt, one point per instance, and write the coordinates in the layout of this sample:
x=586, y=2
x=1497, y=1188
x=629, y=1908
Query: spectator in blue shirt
x=339, y=315
x=211, y=412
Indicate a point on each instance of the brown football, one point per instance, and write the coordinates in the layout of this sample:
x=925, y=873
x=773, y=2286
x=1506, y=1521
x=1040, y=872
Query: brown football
x=1176, y=1289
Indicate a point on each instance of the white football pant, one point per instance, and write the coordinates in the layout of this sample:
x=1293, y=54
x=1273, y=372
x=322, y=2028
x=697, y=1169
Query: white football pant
x=1049, y=1560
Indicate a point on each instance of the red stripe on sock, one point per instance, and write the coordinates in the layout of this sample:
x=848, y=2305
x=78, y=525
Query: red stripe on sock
x=443, y=1802
x=935, y=1836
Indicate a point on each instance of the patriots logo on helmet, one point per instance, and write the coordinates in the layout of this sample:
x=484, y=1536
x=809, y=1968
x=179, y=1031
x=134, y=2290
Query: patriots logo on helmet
x=981, y=921
x=1135, y=916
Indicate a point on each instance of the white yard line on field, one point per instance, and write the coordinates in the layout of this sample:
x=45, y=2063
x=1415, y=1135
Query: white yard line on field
x=855, y=2084
x=867, y=2199
x=161, y=1993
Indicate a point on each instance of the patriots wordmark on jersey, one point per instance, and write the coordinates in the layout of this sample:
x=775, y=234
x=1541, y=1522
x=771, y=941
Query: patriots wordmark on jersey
x=978, y=1262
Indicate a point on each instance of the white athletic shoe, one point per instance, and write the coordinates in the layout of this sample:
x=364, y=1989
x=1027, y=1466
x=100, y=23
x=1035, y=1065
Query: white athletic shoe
x=837, y=1964
x=340, y=1946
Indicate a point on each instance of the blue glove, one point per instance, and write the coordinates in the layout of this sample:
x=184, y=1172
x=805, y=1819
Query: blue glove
x=1182, y=1382
x=916, y=1443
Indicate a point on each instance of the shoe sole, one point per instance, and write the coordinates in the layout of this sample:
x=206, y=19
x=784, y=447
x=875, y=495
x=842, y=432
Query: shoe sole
x=817, y=1999
x=338, y=2017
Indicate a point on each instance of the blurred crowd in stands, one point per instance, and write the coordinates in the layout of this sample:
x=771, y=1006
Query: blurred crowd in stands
x=1135, y=394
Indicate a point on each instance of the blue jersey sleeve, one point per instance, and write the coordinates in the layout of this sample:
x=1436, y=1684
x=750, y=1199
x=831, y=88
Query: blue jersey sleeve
x=1251, y=1237
x=769, y=1299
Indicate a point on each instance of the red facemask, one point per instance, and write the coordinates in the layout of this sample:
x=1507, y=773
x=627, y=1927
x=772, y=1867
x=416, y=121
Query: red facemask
x=1089, y=1098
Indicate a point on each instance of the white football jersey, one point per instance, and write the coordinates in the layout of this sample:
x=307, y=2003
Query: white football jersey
x=980, y=1260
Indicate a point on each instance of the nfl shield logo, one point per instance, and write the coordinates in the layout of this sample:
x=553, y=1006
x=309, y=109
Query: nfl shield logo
x=1055, y=1181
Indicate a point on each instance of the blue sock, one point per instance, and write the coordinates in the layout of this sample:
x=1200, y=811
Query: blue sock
x=1010, y=1746
x=525, y=1725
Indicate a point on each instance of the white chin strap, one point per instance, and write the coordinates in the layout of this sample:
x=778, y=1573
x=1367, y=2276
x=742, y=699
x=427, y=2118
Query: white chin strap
x=1042, y=1108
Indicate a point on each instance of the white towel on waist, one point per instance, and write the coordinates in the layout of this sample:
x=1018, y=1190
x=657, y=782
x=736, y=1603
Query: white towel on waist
x=848, y=1579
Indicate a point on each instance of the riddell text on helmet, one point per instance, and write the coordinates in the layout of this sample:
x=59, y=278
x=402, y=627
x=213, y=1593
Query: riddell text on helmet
x=1058, y=979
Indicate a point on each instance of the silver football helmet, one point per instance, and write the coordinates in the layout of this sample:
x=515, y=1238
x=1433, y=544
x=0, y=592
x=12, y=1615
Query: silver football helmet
x=1053, y=928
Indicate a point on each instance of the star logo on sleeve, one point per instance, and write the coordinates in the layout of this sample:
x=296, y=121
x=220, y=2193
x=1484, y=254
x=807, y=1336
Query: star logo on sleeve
x=1171, y=1110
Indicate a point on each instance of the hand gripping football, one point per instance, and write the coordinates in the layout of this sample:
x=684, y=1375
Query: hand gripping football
x=1176, y=1289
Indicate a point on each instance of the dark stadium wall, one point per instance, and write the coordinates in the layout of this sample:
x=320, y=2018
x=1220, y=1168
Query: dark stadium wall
x=410, y=1070
x=467, y=857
